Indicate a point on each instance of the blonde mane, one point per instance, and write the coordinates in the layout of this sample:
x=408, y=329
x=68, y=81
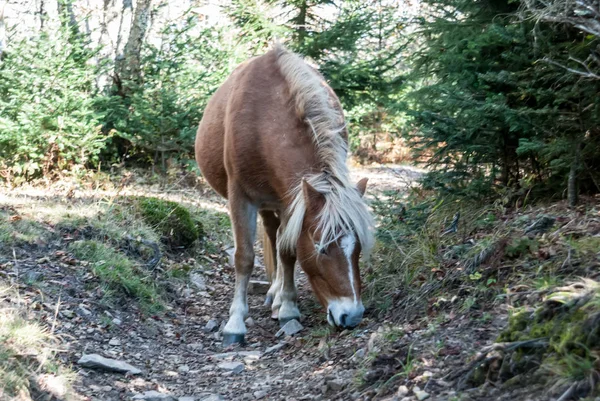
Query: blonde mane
x=344, y=211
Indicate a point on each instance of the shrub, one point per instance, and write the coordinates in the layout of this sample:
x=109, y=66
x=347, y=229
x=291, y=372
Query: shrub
x=48, y=122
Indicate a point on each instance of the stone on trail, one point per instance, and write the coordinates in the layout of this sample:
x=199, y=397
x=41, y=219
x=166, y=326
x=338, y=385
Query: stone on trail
x=211, y=326
x=336, y=385
x=402, y=391
x=235, y=367
x=186, y=398
x=260, y=394
x=258, y=287
x=213, y=397
x=290, y=328
x=275, y=348
x=154, y=396
x=420, y=394
x=115, y=342
x=96, y=361
x=198, y=280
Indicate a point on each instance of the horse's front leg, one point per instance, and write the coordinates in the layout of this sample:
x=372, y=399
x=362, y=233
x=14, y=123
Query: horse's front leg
x=243, y=219
x=286, y=299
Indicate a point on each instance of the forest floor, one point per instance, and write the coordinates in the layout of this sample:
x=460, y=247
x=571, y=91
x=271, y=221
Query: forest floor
x=168, y=324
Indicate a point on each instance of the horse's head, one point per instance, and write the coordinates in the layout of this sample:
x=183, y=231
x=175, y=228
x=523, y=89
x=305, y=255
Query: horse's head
x=330, y=260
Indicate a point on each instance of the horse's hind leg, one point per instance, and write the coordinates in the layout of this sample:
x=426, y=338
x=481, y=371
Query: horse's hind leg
x=243, y=219
x=285, y=305
x=271, y=224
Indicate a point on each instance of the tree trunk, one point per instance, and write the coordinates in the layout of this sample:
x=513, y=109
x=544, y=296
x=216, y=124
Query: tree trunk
x=3, y=43
x=67, y=16
x=301, y=23
x=128, y=68
x=572, y=190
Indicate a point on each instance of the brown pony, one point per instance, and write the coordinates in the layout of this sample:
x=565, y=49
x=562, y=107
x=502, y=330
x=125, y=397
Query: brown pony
x=273, y=142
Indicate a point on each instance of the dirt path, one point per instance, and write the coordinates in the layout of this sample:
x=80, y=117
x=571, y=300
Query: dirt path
x=180, y=353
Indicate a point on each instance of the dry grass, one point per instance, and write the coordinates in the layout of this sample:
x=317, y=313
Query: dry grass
x=27, y=350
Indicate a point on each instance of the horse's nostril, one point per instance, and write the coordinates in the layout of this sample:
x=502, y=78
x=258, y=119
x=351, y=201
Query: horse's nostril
x=343, y=319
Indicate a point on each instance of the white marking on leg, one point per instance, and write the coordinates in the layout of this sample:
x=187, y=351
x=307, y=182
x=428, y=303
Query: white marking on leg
x=348, y=243
x=239, y=308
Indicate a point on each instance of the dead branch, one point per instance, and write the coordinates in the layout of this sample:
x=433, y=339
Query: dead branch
x=152, y=263
x=585, y=74
x=481, y=357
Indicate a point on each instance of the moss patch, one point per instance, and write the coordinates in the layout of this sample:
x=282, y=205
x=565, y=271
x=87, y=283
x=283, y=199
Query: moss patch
x=173, y=221
x=118, y=274
x=569, y=321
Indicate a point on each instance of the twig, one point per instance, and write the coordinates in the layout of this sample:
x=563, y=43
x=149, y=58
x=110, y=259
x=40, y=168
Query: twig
x=481, y=356
x=568, y=258
x=567, y=393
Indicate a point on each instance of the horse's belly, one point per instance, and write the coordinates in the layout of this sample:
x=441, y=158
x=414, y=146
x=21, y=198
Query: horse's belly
x=209, y=156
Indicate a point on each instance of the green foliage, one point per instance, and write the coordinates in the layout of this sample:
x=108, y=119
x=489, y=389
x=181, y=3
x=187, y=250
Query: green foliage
x=157, y=119
x=171, y=220
x=521, y=246
x=118, y=274
x=48, y=120
x=490, y=113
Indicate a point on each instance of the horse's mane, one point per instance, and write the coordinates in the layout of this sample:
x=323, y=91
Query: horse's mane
x=344, y=211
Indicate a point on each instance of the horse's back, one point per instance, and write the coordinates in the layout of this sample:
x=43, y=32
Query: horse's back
x=250, y=136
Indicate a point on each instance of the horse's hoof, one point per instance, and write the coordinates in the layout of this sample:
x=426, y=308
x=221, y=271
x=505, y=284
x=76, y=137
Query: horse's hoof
x=275, y=314
x=230, y=339
x=268, y=300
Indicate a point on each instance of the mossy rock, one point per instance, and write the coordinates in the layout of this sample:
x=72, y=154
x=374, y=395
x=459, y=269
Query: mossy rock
x=171, y=220
x=567, y=328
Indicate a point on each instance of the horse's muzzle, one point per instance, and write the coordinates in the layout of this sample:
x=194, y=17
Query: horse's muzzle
x=345, y=313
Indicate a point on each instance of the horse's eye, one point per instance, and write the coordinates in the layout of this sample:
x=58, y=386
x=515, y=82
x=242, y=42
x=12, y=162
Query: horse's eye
x=320, y=249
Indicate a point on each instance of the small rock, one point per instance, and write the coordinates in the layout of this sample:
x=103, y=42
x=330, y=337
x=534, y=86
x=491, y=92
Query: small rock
x=256, y=287
x=99, y=362
x=360, y=354
x=290, y=328
x=211, y=326
x=214, y=397
x=274, y=348
x=260, y=394
x=153, y=396
x=402, y=391
x=186, y=398
x=195, y=346
x=117, y=321
x=235, y=367
x=183, y=369
x=106, y=389
x=69, y=314
x=336, y=385
x=83, y=311
x=197, y=279
x=250, y=322
x=115, y=342
x=420, y=394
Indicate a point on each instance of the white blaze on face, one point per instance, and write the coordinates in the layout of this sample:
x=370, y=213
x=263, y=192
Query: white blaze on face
x=348, y=244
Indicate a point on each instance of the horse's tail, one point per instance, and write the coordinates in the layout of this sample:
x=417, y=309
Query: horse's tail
x=268, y=255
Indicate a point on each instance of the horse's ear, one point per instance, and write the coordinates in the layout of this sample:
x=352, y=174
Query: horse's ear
x=313, y=199
x=362, y=186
